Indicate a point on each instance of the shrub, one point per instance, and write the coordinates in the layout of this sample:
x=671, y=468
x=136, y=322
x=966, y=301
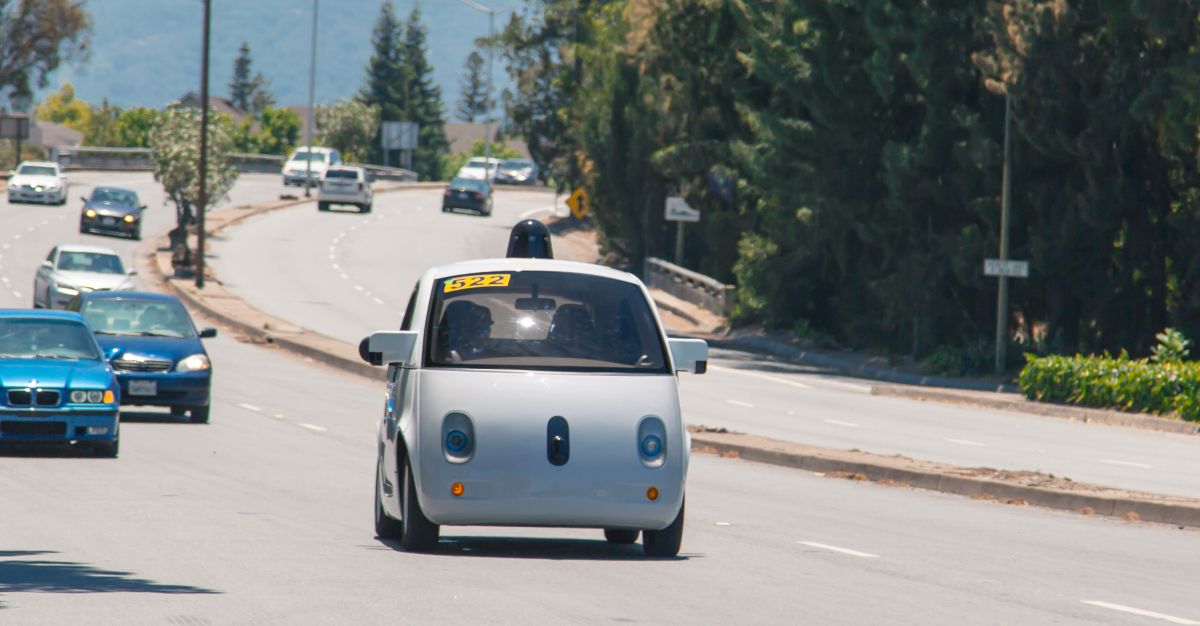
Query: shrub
x=1141, y=385
x=1172, y=346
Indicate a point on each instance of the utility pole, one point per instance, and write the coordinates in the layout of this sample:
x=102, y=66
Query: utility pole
x=487, y=146
x=1005, y=199
x=202, y=197
x=312, y=79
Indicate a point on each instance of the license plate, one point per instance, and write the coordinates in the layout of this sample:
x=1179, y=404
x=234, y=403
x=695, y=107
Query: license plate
x=108, y=221
x=143, y=388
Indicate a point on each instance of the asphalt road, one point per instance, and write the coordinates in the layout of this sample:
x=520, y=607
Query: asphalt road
x=263, y=517
x=345, y=275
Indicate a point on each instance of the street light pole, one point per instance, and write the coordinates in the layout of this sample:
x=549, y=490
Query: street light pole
x=487, y=146
x=202, y=196
x=312, y=79
x=1005, y=199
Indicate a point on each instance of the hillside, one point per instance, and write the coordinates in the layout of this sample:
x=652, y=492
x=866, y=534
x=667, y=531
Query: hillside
x=147, y=52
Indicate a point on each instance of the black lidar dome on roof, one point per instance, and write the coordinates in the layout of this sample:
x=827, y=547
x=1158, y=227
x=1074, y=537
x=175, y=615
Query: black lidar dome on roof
x=530, y=239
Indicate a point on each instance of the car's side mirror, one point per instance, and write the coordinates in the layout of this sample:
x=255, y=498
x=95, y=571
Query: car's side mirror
x=48, y=265
x=208, y=333
x=111, y=354
x=389, y=347
x=689, y=355
x=132, y=272
x=143, y=207
x=85, y=199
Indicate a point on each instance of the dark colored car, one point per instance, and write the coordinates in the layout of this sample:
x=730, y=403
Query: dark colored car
x=112, y=211
x=468, y=194
x=517, y=172
x=154, y=347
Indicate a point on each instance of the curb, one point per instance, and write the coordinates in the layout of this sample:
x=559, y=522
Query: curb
x=929, y=476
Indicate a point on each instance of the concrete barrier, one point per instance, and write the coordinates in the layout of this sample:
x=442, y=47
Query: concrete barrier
x=690, y=286
x=139, y=160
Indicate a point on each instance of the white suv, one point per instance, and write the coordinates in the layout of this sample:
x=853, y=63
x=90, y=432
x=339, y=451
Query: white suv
x=296, y=169
x=345, y=184
x=38, y=181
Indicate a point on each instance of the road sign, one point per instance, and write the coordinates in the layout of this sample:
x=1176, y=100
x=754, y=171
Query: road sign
x=399, y=135
x=14, y=127
x=579, y=203
x=679, y=211
x=1008, y=267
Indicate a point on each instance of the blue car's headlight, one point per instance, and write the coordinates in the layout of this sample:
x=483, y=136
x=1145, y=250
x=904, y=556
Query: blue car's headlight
x=92, y=396
x=194, y=363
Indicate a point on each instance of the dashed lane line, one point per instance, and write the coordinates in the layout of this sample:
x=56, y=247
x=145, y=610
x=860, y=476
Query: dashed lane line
x=1127, y=463
x=841, y=423
x=965, y=442
x=740, y=403
x=249, y=407
x=313, y=427
x=781, y=381
x=825, y=546
x=1142, y=612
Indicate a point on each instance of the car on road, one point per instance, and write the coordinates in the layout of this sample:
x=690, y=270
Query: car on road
x=517, y=172
x=345, y=184
x=112, y=210
x=479, y=168
x=73, y=269
x=296, y=170
x=154, y=348
x=532, y=392
x=37, y=181
x=55, y=385
x=468, y=194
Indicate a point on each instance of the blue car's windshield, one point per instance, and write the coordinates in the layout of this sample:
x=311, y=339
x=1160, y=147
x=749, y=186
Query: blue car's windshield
x=115, y=196
x=46, y=339
x=148, y=318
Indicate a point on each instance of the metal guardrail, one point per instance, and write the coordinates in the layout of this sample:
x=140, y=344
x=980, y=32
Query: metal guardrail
x=138, y=160
x=690, y=286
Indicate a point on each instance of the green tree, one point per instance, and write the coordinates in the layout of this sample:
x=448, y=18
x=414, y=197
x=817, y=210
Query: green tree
x=386, y=85
x=175, y=149
x=251, y=93
x=275, y=131
x=474, y=102
x=103, y=125
x=348, y=126
x=36, y=37
x=135, y=126
x=424, y=101
x=62, y=107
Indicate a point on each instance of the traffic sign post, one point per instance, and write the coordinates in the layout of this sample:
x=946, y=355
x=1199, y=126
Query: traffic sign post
x=678, y=211
x=1006, y=267
x=15, y=127
x=579, y=204
x=399, y=136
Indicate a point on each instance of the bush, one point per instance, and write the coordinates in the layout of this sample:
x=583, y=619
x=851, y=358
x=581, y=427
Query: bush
x=1141, y=385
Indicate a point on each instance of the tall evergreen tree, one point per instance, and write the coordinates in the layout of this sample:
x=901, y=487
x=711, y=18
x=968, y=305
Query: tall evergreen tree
x=386, y=86
x=241, y=87
x=473, y=103
x=424, y=101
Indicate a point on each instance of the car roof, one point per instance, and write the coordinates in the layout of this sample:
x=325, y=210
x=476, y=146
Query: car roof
x=311, y=149
x=75, y=247
x=482, y=266
x=107, y=188
x=39, y=163
x=128, y=295
x=40, y=314
x=342, y=166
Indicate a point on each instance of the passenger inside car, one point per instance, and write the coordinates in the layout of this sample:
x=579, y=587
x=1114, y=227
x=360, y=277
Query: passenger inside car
x=466, y=327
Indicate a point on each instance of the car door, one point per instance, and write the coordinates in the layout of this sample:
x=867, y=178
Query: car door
x=399, y=389
x=41, y=279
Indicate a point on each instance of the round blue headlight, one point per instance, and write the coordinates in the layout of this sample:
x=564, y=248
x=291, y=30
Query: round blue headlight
x=651, y=446
x=456, y=441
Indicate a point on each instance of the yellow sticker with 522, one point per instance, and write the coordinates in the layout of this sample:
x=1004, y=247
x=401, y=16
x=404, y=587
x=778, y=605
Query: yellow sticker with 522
x=476, y=281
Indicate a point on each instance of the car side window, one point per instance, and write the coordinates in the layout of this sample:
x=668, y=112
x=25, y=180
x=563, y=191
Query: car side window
x=50, y=257
x=412, y=305
x=337, y=158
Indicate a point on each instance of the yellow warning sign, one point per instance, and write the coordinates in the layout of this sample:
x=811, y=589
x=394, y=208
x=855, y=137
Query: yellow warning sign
x=578, y=203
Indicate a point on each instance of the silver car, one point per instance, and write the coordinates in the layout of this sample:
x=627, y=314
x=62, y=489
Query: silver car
x=38, y=181
x=532, y=392
x=70, y=270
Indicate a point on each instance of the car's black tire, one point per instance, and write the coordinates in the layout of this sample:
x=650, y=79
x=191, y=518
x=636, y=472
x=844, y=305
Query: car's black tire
x=137, y=234
x=365, y=208
x=385, y=526
x=664, y=542
x=107, y=449
x=620, y=536
x=199, y=414
x=418, y=534
x=179, y=411
x=322, y=206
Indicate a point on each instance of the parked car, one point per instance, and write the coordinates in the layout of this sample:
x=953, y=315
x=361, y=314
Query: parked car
x=572, y=418
x=37, y=181
x=517, y=172
x=112, y=210
x=72, y=269
x=345, y=184
x=154, y=347
x=479, y=168
x=468, y=194
x=296, y=170
x=55, y=384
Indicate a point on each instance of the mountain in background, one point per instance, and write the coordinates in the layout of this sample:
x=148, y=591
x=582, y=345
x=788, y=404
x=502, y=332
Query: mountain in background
x=147, y=52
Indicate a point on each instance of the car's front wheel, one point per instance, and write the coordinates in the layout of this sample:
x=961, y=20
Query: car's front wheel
x=620, y=535
x=664, y=542
x=385, y=526
x=322, y=206
x=107, y=449
x=418, y=533
x=199, y=414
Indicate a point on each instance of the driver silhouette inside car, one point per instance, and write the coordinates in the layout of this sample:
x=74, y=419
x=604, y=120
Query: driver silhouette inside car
x=466, y=327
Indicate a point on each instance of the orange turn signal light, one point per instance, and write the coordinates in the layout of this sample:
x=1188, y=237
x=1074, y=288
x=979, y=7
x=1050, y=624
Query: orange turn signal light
x=456, y=489
x=652, y=493
x=109, y=397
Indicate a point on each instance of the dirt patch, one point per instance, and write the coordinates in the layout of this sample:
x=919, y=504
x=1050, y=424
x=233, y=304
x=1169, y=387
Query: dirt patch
x=847, y=475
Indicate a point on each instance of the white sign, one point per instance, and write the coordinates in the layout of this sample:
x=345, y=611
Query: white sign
x=996, y=267
x=679, y=211
x=399, y=135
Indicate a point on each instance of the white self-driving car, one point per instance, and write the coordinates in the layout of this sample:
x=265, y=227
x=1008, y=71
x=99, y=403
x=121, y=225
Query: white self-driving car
x=532, y=392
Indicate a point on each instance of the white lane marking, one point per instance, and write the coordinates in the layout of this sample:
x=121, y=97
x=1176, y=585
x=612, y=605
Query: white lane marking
x=31, y=229
x=358, y=287
x=278, y=416
x=378, y=301
x=16, y=236
x=16, y=294
x=1142, y=612
x=313, y=427
x=722, y=523
x=336, y=267
x=1126, y=463
x=740, y=403
x=249, y=407
x=530, y=213
x=824, y=546
x=4, y=279
x=733, y=370
x=5, y=247
x=841, y=423
x=965, y=442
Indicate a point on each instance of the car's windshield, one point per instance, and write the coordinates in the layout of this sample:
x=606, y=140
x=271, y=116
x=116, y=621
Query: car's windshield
x=469, y=184
x=29, y=338
x=304, y=155
x=543, y=320
x=115, y=196
x=90, y=262
x=481, y=162
x=154, y=318
x=37, y=170
x=348, y=174
x=516, y=164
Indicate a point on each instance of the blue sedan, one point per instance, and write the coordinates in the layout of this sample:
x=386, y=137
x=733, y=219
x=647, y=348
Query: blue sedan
x=154, y=347
x=55, y=385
